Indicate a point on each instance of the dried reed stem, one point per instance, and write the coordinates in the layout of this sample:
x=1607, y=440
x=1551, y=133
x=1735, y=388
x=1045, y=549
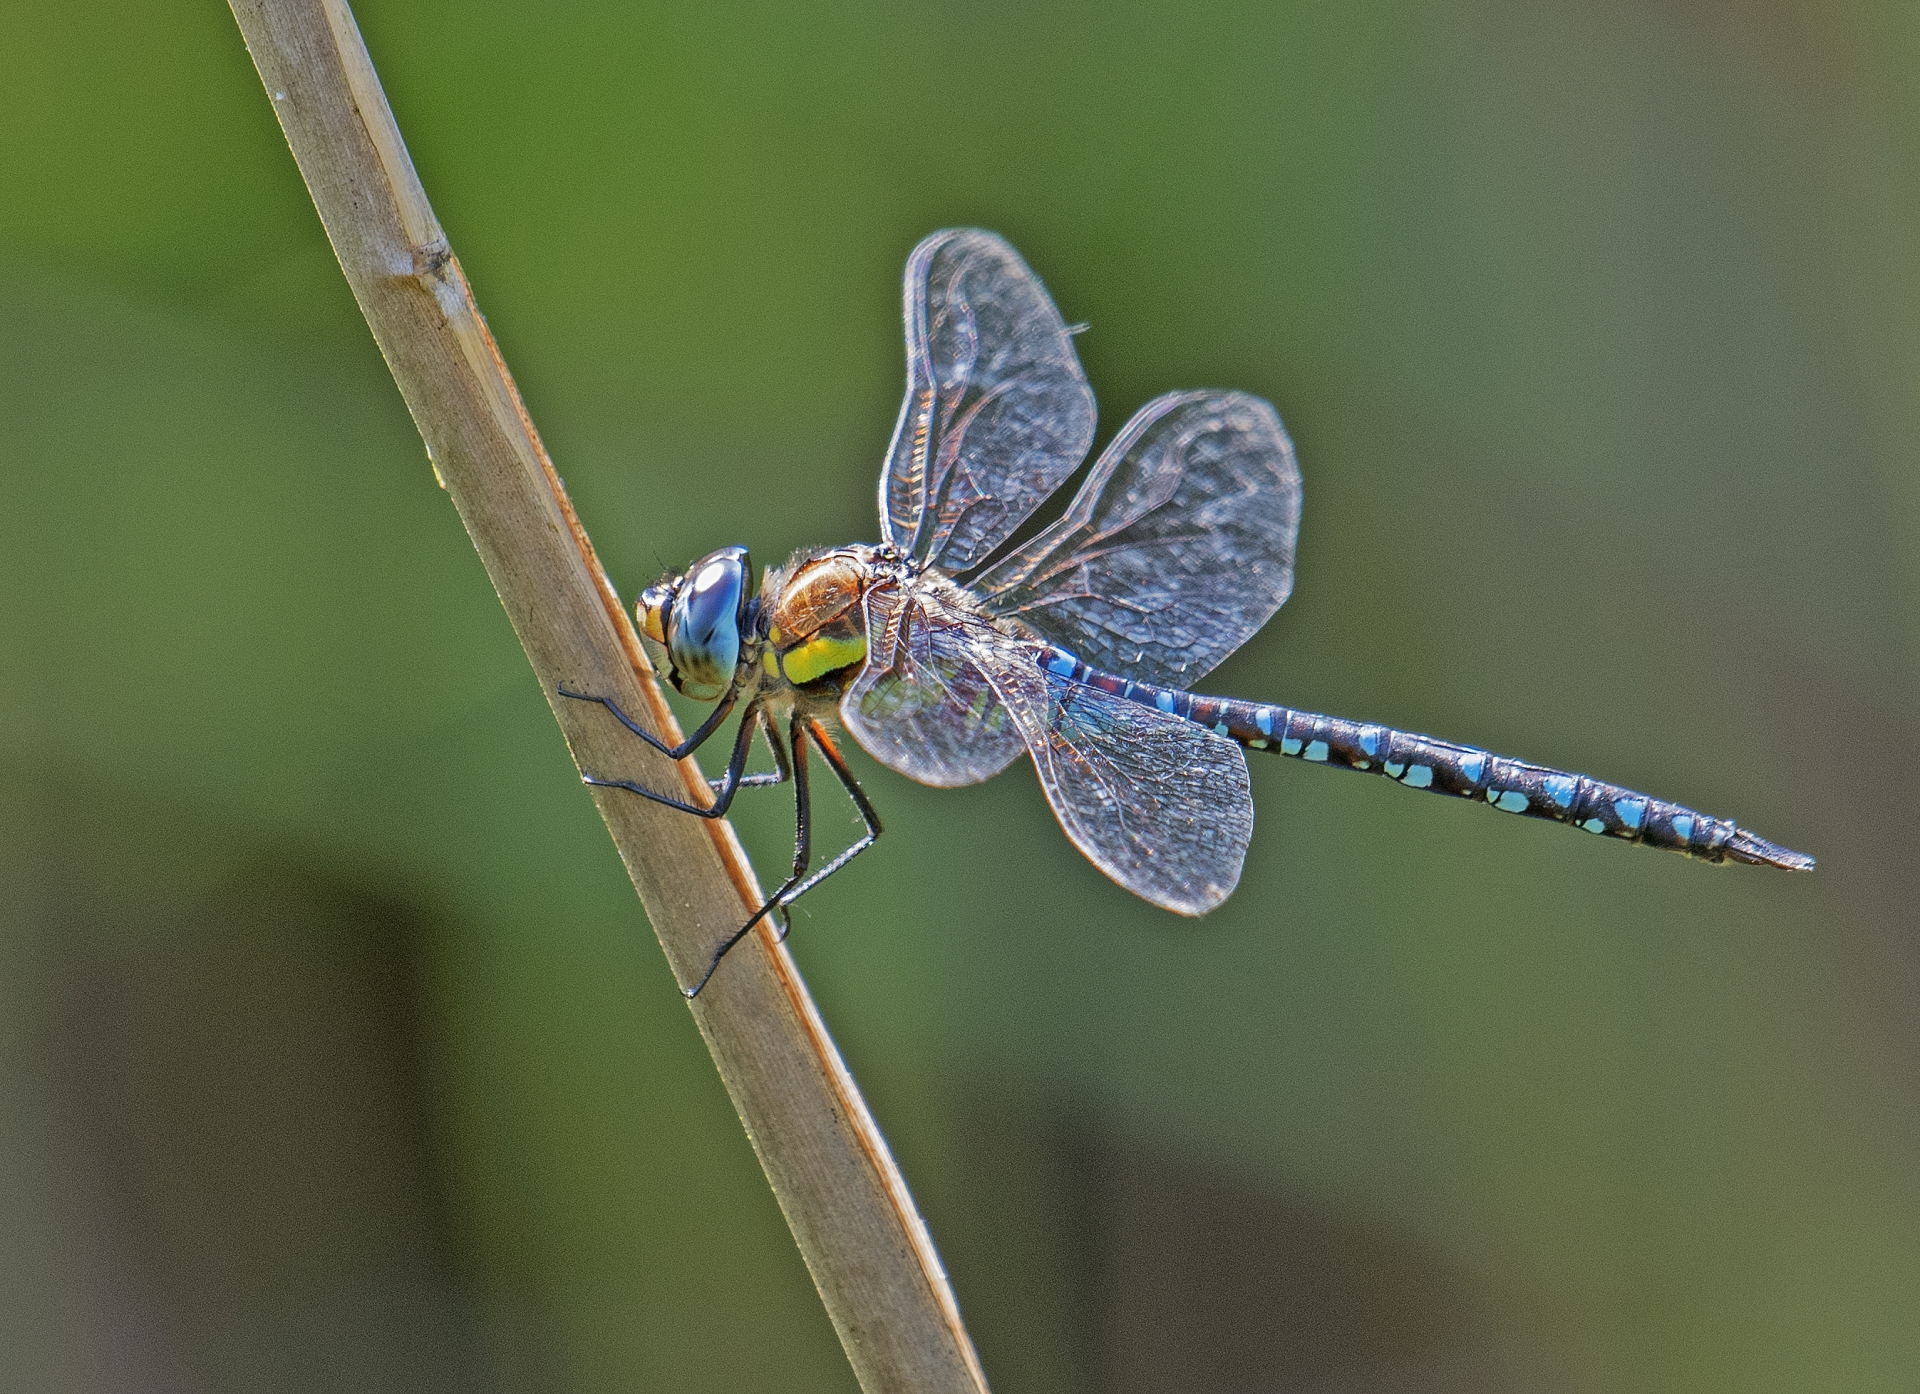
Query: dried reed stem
x=864, y=1242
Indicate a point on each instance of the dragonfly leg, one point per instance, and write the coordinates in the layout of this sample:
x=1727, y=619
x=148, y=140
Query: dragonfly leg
x=802, y=826
x=800, y=883
x=723, y=795
x=782, y=772
x=672, y=752
x=802, y=855
x=778, y=775
x=860, y=801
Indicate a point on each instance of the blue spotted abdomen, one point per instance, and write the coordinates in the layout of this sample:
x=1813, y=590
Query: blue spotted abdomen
x=1421, y=762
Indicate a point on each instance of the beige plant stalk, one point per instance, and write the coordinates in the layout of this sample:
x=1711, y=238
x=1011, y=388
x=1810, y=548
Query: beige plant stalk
x=865, y=1244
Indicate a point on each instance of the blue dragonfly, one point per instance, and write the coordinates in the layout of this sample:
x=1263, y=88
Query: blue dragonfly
x=948, y=654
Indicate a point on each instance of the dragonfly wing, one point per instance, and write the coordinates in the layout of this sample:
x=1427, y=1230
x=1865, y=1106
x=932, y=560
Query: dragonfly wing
x=1176, y=550
x=997, y=411
x=1159, y=804
x=922, y=706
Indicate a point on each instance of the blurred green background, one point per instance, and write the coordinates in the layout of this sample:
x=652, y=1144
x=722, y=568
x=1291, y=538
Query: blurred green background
x=335, y=1052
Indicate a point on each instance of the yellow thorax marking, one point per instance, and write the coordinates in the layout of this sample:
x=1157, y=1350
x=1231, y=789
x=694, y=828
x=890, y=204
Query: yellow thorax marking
x=820, y=655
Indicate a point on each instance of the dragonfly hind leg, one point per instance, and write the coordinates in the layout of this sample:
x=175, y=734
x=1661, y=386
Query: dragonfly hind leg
x=871, y=819
x=799, y=883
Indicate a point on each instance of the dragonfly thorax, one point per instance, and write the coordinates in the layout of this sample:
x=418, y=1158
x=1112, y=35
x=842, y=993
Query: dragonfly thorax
x=815, y=622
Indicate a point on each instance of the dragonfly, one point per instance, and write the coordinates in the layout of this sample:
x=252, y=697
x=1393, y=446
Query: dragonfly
x=952, y=647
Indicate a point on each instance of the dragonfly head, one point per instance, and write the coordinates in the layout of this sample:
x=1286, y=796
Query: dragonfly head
x=700, y=618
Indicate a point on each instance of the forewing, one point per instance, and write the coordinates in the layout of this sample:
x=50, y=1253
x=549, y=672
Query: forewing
x=1159, y=804
x=1176, y=550
x=997, y=411
x=922, y=706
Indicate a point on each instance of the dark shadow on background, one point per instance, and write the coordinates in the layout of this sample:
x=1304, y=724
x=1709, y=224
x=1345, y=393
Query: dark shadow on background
x=1091, y=1258
x=228, y=1096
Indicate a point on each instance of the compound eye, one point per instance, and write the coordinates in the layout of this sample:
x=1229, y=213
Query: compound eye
x=651, y=611
x=704, y=623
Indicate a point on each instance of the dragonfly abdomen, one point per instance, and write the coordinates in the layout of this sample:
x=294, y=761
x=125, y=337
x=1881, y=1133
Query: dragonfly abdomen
x=1467, y=772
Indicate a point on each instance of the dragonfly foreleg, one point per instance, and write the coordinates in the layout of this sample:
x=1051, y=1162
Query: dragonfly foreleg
x=728, y=787
x=672, y=752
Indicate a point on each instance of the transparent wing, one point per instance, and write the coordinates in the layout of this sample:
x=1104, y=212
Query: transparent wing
x=1176, y=550
x=1159, y=804
x=997, y=411
x=922, y=706
x=948, y=697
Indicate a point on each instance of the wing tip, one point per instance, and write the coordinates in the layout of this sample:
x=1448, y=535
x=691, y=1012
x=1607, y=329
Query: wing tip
x=1182, y=898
